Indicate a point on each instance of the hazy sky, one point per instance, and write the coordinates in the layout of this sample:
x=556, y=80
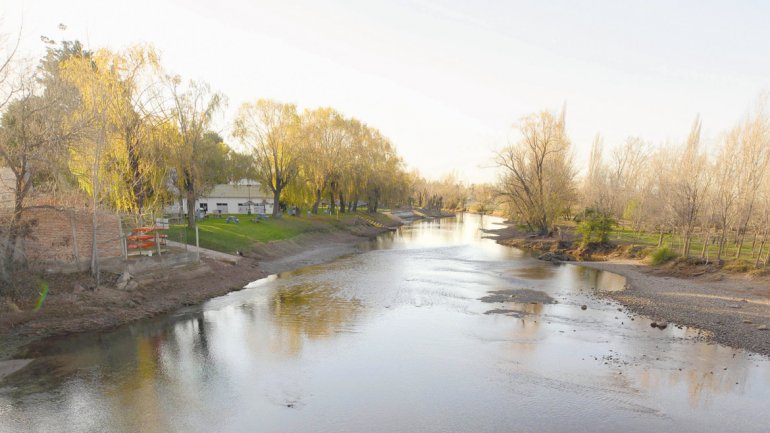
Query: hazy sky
x=447, y=80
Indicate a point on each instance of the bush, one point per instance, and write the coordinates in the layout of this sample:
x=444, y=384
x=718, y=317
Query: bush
x=596, y=227
x=739, y=266
x=662, y=255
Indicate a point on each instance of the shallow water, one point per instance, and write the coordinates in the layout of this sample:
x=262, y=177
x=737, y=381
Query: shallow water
x=396, y=339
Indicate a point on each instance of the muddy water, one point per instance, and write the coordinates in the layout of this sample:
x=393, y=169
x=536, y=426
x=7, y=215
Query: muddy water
x=397, y=340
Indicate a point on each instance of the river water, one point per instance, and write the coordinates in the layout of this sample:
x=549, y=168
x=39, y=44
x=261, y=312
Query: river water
x=396, y=340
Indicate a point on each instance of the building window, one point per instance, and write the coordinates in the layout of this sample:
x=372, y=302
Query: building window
x=204, y=207
x=222, y=207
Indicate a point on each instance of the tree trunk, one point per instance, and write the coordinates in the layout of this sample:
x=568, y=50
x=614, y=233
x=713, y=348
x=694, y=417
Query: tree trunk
x=739, y=247
x=722, y=240
x=317, y=201
x=136, y=176
x=660, y=238
x=761, y=247
x=277, y=202
x=704, y=251
x=332, y=206
x=94, y=247
x=355, y=204
x=189, y=188
x=767, y=257
x=190, y=207
x=342, y=202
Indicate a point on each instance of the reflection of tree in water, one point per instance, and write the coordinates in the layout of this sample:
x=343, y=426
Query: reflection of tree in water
x=599, y=279
x=712, y=372
x=535, y=272
x=310, y=310
x=526, y=339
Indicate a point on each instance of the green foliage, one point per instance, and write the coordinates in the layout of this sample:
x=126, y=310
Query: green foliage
x=632, y=210
x=596, y=227
x=662, y=255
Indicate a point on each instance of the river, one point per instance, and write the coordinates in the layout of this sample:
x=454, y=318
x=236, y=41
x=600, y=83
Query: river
x=396, y=339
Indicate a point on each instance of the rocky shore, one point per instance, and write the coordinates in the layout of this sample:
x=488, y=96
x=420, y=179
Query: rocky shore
x=734, y=309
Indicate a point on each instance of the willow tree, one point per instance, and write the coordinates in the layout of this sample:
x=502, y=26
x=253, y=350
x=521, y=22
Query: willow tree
x=383, y=170
x=273, y=131
x=325, y=131
x=97, y=87
x=139, y=131
x=538, y=176
x=192, y=111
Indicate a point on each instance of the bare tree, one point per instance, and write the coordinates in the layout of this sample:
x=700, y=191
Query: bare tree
x=8, y=85
x=538, y=176
x=753, y=158
x=32, y=135
x=690, y=179
x=724, y=195
x=596, y=193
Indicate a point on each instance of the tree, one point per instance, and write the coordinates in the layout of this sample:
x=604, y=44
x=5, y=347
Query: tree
x=326, y=133
x=238, y=166
x=192, y=111
x=596, y=227
x=31, y=137
x=7, y=54
x=139, y=132
x=596, y=194
x=272, y=130
x=538, y=176
x=96, y=87
x=689, y=185
x=724, y=196
x=753, y=155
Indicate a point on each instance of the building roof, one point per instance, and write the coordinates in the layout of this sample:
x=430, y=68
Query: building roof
x=254, y=191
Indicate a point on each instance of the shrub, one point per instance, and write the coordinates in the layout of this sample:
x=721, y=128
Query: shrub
x=739, y=266
x=662, y=255
x=596, y=227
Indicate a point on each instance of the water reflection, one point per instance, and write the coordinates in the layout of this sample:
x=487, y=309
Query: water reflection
x=535, y=272
x=310, y=310
x=395, y=339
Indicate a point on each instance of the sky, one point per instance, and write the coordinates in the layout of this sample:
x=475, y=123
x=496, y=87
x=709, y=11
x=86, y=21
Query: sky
x=447, y=81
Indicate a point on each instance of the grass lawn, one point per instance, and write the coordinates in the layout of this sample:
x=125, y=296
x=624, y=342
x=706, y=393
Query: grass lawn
x=627, y=236
x=216, y=234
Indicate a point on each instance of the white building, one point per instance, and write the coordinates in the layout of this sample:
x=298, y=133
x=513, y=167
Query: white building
x=7, y=187
x=232, y=199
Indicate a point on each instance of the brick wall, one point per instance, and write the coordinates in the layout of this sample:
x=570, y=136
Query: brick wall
x=64, y=235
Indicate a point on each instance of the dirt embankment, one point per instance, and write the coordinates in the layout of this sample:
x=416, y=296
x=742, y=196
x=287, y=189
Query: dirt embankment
x=74, y=304
x=733, y=308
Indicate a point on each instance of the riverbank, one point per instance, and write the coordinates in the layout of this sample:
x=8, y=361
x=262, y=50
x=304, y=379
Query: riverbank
x=734, y=309
x=73, y=306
